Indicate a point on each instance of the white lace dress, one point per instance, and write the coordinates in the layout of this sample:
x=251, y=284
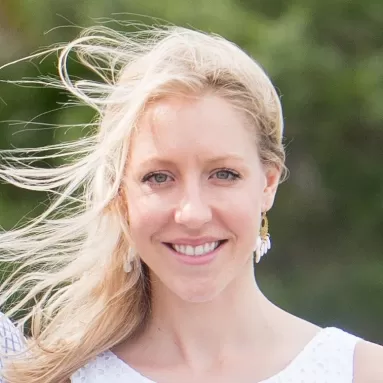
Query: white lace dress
x=11, y=340
x=327, y=358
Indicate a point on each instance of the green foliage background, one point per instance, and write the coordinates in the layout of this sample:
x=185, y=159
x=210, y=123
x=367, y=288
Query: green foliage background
x=325, y=57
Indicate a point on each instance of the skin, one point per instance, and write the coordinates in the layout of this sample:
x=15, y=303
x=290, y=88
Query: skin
x=210, y=323
x=194, y=202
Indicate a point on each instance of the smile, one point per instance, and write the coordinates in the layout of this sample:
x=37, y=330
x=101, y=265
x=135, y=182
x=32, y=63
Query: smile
x=196, y=251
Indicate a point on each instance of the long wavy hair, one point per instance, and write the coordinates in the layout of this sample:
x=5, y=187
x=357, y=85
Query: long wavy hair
x=69, y=260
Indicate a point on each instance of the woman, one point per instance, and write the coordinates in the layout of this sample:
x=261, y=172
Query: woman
x=147, y=252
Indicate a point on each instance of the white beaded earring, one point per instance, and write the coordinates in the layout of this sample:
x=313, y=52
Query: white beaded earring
x=263, y=241
x=129, y=260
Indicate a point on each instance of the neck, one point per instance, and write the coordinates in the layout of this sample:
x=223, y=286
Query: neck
x=236, y=320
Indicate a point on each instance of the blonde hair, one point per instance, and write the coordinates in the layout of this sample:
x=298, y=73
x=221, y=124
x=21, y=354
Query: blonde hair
x=70, y=258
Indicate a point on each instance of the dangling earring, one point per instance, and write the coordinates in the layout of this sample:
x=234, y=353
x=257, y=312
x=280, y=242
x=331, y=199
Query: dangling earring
x=263, y=241
x=129, y=260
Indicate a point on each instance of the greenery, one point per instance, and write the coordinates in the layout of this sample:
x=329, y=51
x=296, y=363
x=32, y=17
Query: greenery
x=325, y=57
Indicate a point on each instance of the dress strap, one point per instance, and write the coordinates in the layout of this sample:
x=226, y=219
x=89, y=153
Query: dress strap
x=329, y=357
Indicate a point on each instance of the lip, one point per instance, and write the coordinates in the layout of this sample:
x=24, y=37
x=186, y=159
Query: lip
x=194, y=241
x=196, y=260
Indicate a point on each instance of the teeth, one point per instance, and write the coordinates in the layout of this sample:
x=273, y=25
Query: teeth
x=196, y=250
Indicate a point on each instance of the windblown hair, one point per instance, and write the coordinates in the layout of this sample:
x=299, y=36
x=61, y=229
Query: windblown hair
x=70, y=258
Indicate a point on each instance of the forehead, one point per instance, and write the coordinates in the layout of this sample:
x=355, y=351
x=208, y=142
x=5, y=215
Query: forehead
x=204, y=126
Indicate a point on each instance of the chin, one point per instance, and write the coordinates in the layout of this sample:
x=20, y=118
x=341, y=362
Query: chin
x=197, y=292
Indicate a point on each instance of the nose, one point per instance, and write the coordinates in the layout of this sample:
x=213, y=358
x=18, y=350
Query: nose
x=193, y=211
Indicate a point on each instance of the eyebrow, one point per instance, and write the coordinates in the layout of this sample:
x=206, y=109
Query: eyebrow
x=169, y=161
x=235, y=157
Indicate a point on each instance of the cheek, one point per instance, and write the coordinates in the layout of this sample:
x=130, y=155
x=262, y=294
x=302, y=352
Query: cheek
x=244, y=205
x=245, y=224
x=242, y=215
x=147, y=214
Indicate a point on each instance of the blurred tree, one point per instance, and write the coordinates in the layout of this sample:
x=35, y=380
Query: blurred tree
x=325, y=58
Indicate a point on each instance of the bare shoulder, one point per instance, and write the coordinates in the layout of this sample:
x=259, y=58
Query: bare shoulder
x=368, y=363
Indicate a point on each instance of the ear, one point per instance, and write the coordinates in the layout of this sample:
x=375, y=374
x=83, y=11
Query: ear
x=272, y=175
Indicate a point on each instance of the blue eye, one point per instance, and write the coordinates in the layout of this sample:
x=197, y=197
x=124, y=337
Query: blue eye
x=227, y=175
x=159, y=177
x=156, y=178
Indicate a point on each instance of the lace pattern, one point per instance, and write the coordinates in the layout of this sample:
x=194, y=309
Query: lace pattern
x=11, y=340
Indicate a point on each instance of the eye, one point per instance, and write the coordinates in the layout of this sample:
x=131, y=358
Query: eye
x=226, y=175
x=157, y=178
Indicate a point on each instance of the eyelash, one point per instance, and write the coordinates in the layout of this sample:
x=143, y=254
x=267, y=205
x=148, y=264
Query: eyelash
x=152, y=174
x=235, y=175
x=232, y=173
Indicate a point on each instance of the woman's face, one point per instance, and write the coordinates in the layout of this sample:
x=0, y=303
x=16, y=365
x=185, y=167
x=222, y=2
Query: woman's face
x=195, y=190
